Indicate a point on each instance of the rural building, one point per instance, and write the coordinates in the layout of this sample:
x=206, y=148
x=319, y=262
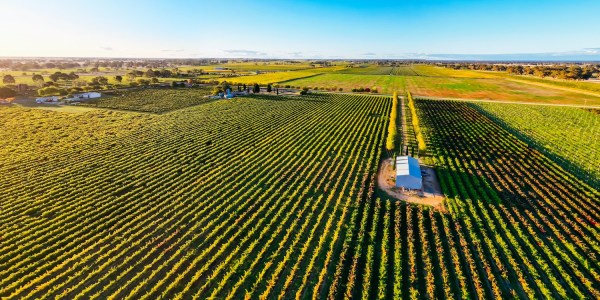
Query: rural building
x=49, y=99
x=408, y=173
x=88, y=95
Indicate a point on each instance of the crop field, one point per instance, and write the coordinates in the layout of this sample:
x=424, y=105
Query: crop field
x=367, y=70
x=495, y=89
x=269, y=77
x=378, y=70
x=433, y=71
x=384, y=83
x=275, y=197
x=404, y=71
x=153, y=100
x=227, y=199
x=570, y=135
x=524, y=227
x=451, y=87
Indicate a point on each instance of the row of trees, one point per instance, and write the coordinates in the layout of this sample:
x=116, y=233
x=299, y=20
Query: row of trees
x=365, y=90
x=573, y=72
x=390, y=143
x=416, y=124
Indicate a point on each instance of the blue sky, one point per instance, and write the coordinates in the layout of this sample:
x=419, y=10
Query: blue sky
x=301, y=29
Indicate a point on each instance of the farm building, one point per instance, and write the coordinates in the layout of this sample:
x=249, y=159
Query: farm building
x=408, y=173
x=49, y=99
x=88, y=95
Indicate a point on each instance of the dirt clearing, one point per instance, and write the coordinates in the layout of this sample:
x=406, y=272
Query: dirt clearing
x=431, y=193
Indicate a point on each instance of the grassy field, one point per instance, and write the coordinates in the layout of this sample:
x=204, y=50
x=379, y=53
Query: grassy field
x=367, y=70
x=432, y=71
x=378, y=70
x=254, y=66
x=404, y=70
x=495, y=89
x=384, y=83
x=452, y=87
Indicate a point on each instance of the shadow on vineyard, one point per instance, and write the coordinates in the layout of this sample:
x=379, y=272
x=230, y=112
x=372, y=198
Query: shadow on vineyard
x=562, y=158
x=493, y=181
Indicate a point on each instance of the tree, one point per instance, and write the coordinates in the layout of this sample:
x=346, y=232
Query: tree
x=72, y=76
x=217, y=90
x=304, y=91
x=143, y=82
x=7, y=93
x=256, y=88
x=37, y=77
x=119, y=78
x=154, y=80
x=8, y=79
x=225, y=86
x=99, y=80
x=574, y=72
x=52, y=90
x=56, y=76
x=38, y=80
x=150, y=73
x=131, y=77
x=269, y=88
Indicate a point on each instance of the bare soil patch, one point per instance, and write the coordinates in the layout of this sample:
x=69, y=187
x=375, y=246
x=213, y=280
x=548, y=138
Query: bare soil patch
x=431, y=193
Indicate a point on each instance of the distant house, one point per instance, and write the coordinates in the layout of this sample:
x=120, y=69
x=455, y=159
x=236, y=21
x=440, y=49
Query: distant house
x=408, y=173
x=49, y=99
x=88, y=95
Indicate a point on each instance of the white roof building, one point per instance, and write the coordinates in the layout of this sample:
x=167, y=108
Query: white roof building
x=408, y=173
x=88, y=95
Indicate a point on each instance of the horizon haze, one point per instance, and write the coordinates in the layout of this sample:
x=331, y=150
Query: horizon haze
x=307, y=29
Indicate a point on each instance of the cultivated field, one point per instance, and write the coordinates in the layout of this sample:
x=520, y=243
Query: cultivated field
x=269, y=78
x=152, y=100
x=276, y=197
x=225, y=199
x=526, y=227
x=569, y=135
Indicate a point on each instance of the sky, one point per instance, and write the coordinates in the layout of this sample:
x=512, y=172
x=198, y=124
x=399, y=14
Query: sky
x=421, y=29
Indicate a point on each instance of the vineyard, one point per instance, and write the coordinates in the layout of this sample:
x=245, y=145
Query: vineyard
x=529, y=229
x=569, y=135
x=274, y=197
x=227, y=199
x=153, y=100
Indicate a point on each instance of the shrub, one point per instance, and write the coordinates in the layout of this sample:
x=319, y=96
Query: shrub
x=52, y=91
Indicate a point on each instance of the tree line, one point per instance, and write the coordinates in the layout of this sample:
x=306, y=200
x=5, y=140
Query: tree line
x=558, y=71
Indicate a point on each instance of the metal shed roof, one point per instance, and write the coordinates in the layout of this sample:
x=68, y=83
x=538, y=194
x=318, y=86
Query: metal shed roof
x=406, y=165
x=408, y=173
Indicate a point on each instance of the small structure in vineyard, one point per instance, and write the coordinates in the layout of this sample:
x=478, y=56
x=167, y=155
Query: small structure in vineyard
x=408, y=173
